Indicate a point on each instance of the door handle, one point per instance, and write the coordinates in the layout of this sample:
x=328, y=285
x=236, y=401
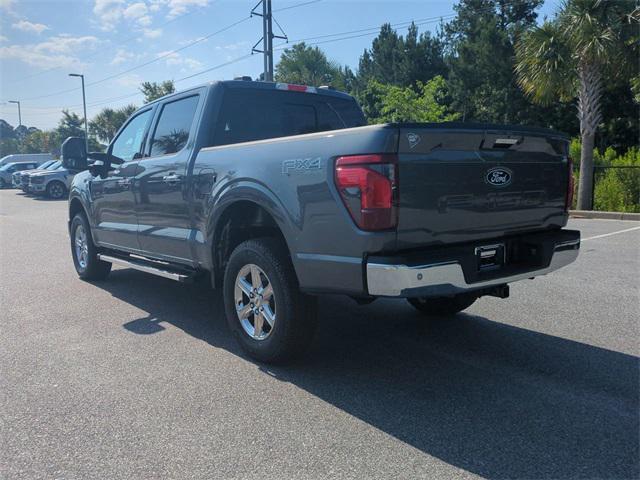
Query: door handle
x=173, y=178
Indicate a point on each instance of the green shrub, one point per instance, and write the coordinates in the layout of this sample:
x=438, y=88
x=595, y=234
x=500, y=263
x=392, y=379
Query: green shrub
x=616, y=189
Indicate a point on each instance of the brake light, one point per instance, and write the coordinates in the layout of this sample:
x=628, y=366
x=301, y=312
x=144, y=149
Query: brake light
x=570, y=185
x=368, y=186
x=292, y=87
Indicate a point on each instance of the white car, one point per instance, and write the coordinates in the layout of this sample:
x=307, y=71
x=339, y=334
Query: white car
x=54, y=183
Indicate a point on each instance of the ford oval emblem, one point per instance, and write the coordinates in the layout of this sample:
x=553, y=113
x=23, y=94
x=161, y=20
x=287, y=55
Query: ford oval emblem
x=499, y=177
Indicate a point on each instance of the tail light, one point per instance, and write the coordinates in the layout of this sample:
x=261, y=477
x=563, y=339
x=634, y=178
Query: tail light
x=570, y=185
x=368, y=185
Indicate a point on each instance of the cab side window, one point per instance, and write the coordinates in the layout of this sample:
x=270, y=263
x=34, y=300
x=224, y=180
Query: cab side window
x=130, y=139
x=172, y=131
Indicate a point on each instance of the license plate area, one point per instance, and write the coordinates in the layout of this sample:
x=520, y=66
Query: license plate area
x=490, y=257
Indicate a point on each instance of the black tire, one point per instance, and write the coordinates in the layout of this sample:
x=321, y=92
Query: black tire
x=2, y=183
x=90, y=268
x=443, y=306
x=56, y=190
x=295, y=313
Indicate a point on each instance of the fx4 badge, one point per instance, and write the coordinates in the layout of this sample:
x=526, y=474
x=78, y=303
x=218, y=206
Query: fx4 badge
x=301, y=165
x=413, y=139
x=499, y=176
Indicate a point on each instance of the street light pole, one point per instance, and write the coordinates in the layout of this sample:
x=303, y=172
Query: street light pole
x=19, y=113
x=84, y=106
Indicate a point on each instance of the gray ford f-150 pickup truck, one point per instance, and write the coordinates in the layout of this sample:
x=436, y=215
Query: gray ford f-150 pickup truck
x=279, y=192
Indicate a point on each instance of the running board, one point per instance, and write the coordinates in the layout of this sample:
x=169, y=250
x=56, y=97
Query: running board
x=147, y=267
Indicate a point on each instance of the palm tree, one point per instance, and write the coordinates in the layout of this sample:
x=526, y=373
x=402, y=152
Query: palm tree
x=588, y=43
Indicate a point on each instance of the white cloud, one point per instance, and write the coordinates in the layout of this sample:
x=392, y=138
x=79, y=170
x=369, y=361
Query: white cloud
x=57, y=51
x=144, y=21
x=150, y=33
x=129, y=80
x=173, y=59
x=123, y=56
x=26, y=26
x=6, y=4
x=3, y=38
x=135, y=10
x=109, y=12
x=242, y=45
x=179, y=7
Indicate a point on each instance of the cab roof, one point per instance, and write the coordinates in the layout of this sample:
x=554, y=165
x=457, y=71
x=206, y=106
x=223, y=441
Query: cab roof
x=259, y=85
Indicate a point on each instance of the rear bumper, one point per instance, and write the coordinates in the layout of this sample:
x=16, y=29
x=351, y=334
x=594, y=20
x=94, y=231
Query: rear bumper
x=448, y=271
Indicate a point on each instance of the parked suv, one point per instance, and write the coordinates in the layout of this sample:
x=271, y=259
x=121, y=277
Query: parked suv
x=8, y=169
x=38, y=158
x=279, y=192
x=51, y=183
x=18, y=176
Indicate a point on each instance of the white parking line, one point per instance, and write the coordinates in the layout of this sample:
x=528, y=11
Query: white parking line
x=609, y=234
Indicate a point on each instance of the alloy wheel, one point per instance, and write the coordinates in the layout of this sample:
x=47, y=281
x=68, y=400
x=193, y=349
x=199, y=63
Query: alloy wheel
x=81, y=246
x=255, y=302
x=56, y=191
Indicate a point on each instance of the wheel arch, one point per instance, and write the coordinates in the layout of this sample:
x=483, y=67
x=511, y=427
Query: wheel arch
x=237, y=220
x=77, y=205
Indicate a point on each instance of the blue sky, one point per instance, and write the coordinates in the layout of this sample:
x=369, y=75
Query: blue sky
x=108, y=41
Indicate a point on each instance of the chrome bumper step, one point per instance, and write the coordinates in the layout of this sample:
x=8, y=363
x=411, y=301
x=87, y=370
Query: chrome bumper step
x=148, y=266
x=447, y=278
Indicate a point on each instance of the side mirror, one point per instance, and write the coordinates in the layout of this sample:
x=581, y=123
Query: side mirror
x=74, y=154
x=102, y=163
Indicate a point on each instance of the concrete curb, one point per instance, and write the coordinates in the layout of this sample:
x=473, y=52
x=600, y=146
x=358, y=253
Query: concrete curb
x=604, y=215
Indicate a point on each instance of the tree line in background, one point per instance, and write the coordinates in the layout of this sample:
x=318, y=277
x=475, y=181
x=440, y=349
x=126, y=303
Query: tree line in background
x=492, y=63
x=576, y=73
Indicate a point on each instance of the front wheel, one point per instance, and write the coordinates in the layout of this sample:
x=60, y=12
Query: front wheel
x=84, y=252
x=270, y=318
x=443, y=306
x=56, y=190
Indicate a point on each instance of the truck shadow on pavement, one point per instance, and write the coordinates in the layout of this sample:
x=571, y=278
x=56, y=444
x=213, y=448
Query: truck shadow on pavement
x=492, y=399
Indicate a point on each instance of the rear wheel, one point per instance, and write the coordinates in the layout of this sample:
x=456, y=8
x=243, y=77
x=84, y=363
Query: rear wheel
x=56, y=190
x=443, y=306
x=84, y=252
x=270, y=318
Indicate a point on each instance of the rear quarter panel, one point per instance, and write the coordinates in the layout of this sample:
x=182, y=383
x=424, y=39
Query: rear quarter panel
x=292, y=178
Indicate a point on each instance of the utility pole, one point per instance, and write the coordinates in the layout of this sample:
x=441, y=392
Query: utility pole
x=84, y=106
x=19, y=113
x=267, y=37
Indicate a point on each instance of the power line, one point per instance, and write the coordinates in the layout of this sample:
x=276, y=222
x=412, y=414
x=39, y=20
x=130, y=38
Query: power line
x=119, y=44
x=296, y=6
x=165, y=55
x=341, y=36
x=144, y=64
x=347, y=35
x=376, y=29
x=216, y=67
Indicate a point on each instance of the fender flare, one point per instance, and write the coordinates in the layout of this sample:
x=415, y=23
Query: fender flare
x=260, y=195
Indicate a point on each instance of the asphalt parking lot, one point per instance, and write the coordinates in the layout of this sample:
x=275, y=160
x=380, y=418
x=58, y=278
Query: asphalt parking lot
x=138, y=377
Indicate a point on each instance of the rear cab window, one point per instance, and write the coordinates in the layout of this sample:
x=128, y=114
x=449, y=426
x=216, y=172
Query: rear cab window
x=258, y=114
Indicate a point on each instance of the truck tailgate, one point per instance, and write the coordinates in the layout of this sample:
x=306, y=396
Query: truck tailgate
x=473, y=183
